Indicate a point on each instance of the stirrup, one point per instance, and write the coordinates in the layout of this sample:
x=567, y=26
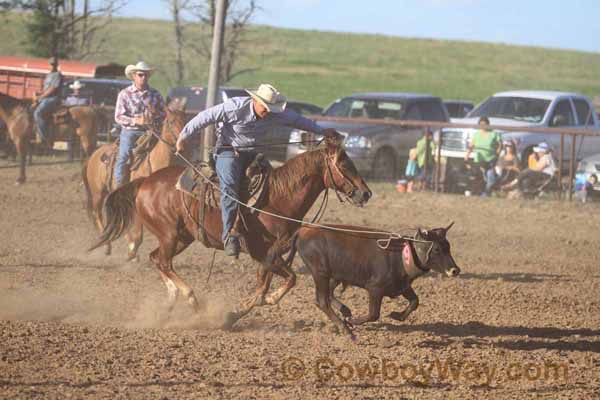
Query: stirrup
x=232, y=246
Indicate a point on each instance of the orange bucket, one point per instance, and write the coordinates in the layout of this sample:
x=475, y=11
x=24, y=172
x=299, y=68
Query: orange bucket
x=401, y=186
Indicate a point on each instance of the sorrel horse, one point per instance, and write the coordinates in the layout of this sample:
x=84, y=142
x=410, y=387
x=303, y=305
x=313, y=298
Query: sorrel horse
x=96, y=174
x=18, y=117
x=19, y=124
x=292, y=190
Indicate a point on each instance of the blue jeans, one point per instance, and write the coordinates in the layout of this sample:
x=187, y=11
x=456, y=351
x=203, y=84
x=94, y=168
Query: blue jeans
x=42, y=114
x=230, y=167
x=490, y=175
x=126, y=145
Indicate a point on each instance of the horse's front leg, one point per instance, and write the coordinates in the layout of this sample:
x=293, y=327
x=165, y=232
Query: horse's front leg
x=21, y=147
x=264, y=278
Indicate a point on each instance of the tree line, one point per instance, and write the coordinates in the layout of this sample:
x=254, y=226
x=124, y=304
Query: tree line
x=79, y=29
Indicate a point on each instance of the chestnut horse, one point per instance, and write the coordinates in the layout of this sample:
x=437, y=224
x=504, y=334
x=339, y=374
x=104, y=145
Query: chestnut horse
x=96, y=174
x=292, y=190
x=18, y=118
x=19, y=125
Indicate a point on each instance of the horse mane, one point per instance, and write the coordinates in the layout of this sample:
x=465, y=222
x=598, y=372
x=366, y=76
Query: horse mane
x=289, y=177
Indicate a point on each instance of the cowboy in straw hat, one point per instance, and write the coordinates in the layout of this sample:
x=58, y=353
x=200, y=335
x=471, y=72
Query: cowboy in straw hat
x=47, y=101
x=239, y=120
x=138, y=106
x=76, y=86
x=75, y=98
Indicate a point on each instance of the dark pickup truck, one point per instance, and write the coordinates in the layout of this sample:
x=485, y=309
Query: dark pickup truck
x=378, y=151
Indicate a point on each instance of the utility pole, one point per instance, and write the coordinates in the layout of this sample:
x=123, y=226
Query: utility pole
x=213, y=77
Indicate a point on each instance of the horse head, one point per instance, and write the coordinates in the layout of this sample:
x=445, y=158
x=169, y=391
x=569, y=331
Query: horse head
x=175, y=119
x=341, y=174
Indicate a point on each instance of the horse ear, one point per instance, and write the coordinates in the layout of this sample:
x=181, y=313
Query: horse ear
x=177, y=104
x=422, y=233
x=183, y=103
x=449, y=226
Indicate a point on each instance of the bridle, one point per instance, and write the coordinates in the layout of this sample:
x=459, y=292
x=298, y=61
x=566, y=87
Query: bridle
x=332, y=165
x=168, y=126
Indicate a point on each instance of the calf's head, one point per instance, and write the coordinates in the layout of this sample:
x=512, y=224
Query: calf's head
x=433, y=251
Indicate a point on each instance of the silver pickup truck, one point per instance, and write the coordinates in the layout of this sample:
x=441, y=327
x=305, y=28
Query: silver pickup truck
x=525, y=108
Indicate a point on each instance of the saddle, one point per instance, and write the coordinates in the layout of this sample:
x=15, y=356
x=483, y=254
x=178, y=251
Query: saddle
x=202, y=183
x=62, y=116
x=139, y=154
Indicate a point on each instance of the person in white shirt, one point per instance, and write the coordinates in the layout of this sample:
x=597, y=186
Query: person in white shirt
x=75, y=98
x=531, y=180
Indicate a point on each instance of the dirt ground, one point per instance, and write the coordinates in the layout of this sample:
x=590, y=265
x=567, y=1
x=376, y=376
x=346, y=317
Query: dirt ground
x=522, y=321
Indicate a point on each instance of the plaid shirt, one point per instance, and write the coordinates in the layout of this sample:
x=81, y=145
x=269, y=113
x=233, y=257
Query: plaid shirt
x=133, y=102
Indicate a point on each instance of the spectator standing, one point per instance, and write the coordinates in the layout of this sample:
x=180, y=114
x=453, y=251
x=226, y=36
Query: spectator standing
x=485, y=144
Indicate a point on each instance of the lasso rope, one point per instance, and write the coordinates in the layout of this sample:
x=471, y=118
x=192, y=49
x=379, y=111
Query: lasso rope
x=382, y=243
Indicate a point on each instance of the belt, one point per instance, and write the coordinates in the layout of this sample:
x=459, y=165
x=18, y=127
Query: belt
x=220, y=149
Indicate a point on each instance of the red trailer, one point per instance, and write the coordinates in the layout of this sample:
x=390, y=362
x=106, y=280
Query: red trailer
x=21, y=77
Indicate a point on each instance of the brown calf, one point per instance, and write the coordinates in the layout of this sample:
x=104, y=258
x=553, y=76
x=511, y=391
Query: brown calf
x=368, y=260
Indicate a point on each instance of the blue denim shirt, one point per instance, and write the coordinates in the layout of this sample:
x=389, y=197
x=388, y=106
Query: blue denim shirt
x=238, y=125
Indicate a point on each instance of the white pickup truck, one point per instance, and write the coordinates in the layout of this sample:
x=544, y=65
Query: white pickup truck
x=525, y=108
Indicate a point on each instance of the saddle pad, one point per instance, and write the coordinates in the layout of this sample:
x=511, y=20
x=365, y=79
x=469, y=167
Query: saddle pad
x=253, y=188
x=189, y=179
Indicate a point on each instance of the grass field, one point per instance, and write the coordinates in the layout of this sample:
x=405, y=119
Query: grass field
x=322, y=66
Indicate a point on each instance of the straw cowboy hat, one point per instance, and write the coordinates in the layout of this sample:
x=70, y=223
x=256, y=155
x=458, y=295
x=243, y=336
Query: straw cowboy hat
x=76, y=85
x=269, y=97
x=140, y=66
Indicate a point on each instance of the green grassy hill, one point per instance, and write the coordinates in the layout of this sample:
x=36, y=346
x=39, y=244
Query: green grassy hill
x=322, y=66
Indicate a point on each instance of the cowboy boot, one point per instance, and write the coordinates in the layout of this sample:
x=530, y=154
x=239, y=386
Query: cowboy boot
x=232, y=245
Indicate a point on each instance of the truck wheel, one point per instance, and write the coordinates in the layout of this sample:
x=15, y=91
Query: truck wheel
x=384, y=165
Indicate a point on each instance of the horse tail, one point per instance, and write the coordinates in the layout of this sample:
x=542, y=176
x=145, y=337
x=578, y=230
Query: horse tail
x=88, y=191
x=293, y=249
x=119, y=208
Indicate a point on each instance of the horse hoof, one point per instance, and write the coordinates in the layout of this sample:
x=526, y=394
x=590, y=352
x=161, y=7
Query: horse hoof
x=134, y=258
x=346, y=313
x=230, y=319
x=19, y=182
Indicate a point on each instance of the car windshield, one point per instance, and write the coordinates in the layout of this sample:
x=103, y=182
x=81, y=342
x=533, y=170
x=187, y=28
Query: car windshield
x=373, y=109
x=517, y=108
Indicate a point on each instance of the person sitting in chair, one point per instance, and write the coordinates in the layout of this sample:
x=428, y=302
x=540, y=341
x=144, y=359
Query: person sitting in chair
x=507, y=167
x=138, y=106
x=48, y=101
x=76, y=98
x=532, y=180
x=238, y=121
